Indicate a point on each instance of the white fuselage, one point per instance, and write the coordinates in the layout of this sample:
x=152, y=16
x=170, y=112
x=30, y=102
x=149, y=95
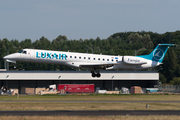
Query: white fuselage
x=81, y=60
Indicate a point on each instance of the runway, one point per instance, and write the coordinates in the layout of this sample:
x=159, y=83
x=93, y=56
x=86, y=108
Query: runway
x=45, y=101
x=90, y=113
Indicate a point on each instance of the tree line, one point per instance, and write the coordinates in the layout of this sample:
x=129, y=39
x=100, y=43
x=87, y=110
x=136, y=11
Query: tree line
x=123, y=43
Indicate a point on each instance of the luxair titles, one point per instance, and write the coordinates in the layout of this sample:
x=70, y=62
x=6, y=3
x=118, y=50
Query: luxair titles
x=51, y=55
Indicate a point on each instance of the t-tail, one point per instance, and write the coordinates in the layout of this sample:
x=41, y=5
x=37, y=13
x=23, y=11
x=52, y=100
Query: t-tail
x=158, y=53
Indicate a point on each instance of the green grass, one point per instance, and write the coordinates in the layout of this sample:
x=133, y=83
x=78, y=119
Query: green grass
x=93, y=97
x=34, y=106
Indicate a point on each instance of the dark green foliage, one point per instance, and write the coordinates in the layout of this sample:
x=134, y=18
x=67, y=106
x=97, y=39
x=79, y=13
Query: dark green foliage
x=170, y=66
x=175, y=81
x=117, y=44
x=162, y=79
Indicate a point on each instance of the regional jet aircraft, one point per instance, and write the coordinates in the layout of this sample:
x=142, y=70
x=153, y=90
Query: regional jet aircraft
x=92, y=62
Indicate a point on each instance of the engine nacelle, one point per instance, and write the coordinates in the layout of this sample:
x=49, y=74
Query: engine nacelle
x=133, y=60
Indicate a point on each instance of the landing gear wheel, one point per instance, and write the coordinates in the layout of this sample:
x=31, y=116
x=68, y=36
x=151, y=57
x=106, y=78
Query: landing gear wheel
x=4, y=89
x=98, y=75
x=93, y=74
x=14, y=66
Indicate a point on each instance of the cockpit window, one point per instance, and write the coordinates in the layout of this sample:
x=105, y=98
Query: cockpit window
x=20, y=51
x=24, y=52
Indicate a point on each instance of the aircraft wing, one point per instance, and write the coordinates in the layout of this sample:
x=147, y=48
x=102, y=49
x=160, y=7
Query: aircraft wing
x=98, y=66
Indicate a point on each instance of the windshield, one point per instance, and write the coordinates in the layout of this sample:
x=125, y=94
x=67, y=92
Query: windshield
x=20, y=51
x=23, y=52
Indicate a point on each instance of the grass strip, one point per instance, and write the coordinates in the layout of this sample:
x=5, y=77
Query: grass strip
x=92, y=97
x=35, y=106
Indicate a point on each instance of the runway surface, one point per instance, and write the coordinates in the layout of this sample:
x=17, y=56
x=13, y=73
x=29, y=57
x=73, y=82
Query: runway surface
x=135, y=101
x=91, y=113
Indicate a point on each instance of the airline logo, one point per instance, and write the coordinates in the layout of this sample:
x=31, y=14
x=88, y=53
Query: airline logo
x=158, y=54
x=133, y=60
x=48, y=55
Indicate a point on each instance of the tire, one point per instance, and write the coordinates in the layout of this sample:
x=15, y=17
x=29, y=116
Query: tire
x=4, y=89
x=98, y=75
x=93, y=75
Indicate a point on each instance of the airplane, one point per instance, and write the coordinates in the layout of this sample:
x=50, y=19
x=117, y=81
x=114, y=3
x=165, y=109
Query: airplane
x=92, y=62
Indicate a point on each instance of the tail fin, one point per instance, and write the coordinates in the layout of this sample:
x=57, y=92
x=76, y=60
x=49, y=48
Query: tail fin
x=158, y=53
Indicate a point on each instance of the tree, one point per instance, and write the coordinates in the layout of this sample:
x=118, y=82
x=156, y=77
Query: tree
x=162, y=78
x=146, y=41
x=175, y=81
x=170, y=65
x=61, y=38
x=134, y=37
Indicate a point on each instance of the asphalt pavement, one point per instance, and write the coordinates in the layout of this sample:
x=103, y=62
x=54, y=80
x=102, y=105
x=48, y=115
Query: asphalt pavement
x=90, y=113
x=97, y=101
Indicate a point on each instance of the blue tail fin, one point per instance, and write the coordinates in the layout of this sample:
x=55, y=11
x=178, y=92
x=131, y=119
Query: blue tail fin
x=158, y=53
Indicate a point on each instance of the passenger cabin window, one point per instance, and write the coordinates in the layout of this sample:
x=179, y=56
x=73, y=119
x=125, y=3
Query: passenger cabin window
x=94, y=58
x=112, y=60
x=84, y=57
x=70, y=56
x=79, y=57
x=98, y=58
x=74, y=56
x=107, y=59
x=103, y=59
x=89, y=58
x=116, y=60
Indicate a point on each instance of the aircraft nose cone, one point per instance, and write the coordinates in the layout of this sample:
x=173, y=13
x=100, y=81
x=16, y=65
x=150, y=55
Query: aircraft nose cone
x=11, y=56
x=5, y=57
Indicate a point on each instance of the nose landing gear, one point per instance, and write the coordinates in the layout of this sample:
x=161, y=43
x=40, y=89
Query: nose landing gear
x=15, y=66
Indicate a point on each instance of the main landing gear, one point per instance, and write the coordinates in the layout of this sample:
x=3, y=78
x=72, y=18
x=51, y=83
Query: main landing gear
x=95, y=74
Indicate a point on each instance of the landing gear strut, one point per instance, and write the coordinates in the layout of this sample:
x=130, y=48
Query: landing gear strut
x=14, y=66
x=95, y=74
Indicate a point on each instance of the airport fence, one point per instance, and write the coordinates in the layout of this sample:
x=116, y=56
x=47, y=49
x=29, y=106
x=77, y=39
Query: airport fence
x=170, y=88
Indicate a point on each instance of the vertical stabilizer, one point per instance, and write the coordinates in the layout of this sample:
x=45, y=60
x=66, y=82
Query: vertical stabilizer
x=158, y=53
